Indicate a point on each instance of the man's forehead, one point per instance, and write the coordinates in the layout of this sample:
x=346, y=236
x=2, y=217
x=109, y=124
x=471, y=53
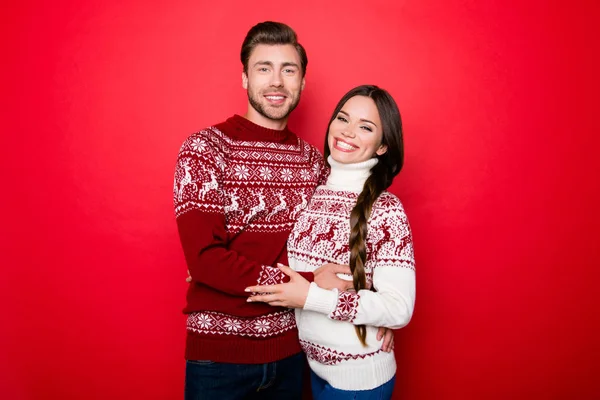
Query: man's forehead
x=275, y=53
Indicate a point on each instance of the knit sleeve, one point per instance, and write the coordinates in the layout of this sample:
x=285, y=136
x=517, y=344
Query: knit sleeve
x=322, y=168
x=391, y=259
x=200, y=215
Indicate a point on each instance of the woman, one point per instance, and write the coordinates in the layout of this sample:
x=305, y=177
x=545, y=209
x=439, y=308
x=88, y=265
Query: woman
x=353, y=220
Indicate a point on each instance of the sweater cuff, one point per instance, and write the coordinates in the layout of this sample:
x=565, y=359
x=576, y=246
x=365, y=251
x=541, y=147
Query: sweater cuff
x=321, y=300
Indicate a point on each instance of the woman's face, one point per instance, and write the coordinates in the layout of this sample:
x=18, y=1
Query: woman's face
x=355, y=133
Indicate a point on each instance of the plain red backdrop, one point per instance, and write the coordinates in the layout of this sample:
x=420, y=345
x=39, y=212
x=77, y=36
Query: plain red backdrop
x=500, y=184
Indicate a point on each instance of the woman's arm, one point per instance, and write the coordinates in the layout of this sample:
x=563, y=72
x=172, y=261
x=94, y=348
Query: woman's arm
x=392, y=261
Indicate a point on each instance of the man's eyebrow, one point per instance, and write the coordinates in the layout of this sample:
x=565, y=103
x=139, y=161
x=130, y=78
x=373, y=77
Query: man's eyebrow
x=261, y=62
x=270, y=64
x=290, y=64
x=362, y=119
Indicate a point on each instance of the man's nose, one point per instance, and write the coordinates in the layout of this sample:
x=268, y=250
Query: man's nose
x=276, y=80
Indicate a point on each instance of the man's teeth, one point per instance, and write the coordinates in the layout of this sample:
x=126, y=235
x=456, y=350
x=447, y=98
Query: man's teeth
x=345, y=146
x=275, y=97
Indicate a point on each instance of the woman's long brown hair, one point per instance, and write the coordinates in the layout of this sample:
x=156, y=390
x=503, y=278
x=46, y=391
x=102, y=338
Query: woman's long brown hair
x=389, y=165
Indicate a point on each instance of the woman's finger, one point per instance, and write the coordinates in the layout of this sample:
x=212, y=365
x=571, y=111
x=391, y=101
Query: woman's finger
x=262, y=289
x=266, y=298
x=286, y=270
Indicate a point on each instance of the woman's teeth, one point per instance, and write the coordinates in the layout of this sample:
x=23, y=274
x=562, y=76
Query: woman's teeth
x=345, y=146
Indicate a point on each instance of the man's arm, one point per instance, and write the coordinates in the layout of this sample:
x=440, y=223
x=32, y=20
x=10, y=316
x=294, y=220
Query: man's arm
x=200, y=215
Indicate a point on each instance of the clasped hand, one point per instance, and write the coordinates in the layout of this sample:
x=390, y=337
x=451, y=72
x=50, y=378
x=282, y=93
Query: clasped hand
x=291, y=294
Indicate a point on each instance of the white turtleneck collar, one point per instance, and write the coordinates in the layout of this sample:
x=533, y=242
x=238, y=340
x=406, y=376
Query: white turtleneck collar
x=349, y=177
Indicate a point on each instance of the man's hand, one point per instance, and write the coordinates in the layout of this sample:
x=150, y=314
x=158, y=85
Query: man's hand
x=326, y=278
x=291, y=294
x=388, y=339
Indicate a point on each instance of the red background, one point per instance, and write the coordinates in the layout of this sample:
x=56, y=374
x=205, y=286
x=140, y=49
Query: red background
x=500, y=183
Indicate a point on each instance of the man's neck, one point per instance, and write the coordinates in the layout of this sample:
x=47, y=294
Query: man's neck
x=254, y=116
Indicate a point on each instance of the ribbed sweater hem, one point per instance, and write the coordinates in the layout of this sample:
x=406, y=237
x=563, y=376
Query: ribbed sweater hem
x=241, y=350
x=364, y=374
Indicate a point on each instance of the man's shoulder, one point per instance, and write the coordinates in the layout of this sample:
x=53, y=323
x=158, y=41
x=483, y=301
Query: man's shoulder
x=209, y=138
x=304, y=144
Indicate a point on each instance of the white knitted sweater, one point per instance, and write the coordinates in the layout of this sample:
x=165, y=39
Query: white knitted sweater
x=326, y=324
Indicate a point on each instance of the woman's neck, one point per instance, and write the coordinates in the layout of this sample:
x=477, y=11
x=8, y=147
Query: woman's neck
x=350, y=177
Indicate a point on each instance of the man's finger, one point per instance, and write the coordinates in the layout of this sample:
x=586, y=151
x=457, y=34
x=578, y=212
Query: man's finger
x=388, y=340
x=342, y=269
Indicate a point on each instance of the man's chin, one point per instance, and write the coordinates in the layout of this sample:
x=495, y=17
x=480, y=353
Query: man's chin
x=278, y=115
x=274, y=112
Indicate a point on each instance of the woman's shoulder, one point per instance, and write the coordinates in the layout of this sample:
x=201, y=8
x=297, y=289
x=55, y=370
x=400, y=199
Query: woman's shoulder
x=388, y=201
x=388, y=210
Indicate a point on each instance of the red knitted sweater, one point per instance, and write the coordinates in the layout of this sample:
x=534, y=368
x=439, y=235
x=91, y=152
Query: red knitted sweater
x=237, y=192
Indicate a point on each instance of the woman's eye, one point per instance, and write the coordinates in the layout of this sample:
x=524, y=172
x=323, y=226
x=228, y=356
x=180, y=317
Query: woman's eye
x=367, y=128
x=340, y=118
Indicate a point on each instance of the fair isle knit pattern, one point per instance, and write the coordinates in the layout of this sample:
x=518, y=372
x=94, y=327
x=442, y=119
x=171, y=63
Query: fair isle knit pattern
x=263, y=191
x=326, y=324
x=320, y=233
x=208, y=322
x=238, y=189
x=328, y=356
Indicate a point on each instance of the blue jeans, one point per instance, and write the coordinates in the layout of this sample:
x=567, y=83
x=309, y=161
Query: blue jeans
x=321, y=390
x=223, y=381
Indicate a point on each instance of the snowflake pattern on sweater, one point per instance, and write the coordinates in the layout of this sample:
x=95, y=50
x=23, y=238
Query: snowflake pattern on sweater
x=347, y=306
x=223, y=324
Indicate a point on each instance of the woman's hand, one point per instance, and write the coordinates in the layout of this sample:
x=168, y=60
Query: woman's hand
x=291, y=294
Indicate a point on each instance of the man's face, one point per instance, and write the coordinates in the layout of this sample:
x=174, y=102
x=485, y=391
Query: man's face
x=274, y=80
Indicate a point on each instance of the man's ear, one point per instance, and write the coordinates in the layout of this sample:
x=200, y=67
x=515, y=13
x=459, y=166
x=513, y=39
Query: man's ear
x=244, y=80
x=303, y=83
x=381, y=150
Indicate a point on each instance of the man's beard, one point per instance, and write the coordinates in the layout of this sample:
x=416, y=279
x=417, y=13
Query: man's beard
x=274, y=113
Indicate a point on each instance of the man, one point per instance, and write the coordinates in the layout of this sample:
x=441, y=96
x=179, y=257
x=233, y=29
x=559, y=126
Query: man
x=239, y=187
